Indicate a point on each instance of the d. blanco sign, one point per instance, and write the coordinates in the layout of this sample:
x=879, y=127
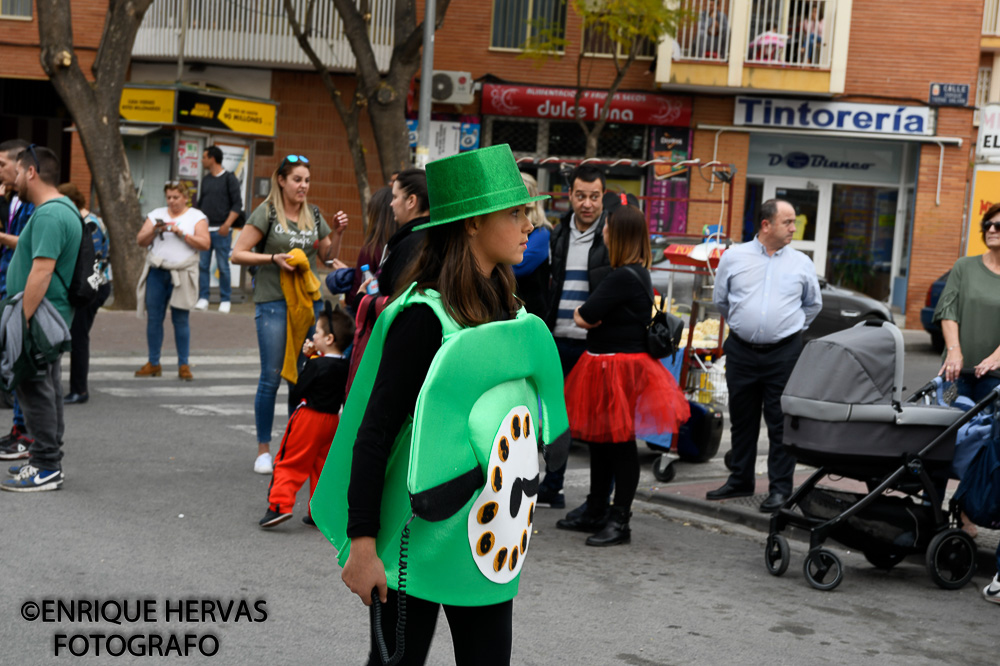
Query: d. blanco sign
x=833, y=116
x=988, y=143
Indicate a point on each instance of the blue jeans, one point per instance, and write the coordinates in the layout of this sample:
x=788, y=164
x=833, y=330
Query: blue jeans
x=159, y=287
x=271, y=319
x=220, y=246
x=973, y=388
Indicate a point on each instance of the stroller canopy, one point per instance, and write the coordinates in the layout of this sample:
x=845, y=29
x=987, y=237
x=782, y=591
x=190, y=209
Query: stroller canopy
x=861, y=366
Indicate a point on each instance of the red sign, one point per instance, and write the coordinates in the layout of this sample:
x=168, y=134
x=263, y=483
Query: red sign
x=557, y=103
x=682, y=255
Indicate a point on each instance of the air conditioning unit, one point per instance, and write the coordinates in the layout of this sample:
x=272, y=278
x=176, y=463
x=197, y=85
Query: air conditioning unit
x=452, y=87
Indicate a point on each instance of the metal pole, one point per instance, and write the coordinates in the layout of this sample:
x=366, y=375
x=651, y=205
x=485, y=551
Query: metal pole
x=426, y=76
x=185, y=11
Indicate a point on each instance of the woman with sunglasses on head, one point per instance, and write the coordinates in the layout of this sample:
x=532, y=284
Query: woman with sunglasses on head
x=969, y=312
x=174, y=235
x=616, y=390
x=283, y=223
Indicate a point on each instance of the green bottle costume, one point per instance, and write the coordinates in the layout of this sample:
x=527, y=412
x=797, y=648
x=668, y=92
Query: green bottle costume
x=466, y=465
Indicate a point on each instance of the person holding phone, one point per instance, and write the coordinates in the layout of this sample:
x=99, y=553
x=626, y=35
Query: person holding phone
x=174, y=235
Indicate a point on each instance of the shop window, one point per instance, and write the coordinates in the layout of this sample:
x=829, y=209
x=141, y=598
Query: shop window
x=597, y=42
x=615, y=141
x=566, y=139
x=522, y=136
x=516, y=22
x=15, y=9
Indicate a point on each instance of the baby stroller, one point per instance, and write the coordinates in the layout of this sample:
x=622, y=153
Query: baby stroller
x=845, y=415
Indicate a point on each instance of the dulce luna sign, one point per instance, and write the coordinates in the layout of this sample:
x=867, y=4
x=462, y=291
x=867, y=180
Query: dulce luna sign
x=559, y=104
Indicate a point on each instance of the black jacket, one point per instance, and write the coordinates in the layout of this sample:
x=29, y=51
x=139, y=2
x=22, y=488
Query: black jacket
x=598, y=262
x=402, y=248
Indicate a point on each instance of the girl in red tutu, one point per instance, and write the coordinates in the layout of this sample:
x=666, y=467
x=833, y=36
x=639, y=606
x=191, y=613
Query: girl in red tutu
x=617, y=391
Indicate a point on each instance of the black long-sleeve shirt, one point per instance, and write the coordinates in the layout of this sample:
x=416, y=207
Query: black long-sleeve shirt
x=322, y=383
x=621, y=302
x=410, y=345
x=219, y=196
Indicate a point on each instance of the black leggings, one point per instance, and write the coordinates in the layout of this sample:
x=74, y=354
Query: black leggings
x=481, y=635
x=618, y=461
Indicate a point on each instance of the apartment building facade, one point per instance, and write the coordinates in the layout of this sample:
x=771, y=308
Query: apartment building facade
x=825, y=102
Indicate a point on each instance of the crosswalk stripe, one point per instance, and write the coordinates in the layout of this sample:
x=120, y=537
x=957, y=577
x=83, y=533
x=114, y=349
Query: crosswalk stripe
x=171, y=361
x=187, y=391
x=199, y=375
x=246, y=409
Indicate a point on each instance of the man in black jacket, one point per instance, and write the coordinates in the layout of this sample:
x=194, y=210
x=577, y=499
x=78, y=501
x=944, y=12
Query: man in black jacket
x=579, y=262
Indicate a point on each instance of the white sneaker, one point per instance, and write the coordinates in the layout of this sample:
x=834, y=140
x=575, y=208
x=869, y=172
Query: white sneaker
x=263, y=464
x=992, y=591
x=202, y=304
x=224, y=307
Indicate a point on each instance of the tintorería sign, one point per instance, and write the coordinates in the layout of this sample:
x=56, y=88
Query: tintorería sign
x=833, y=116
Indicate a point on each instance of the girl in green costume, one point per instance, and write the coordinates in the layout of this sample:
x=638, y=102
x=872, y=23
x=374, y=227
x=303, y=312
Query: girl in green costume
x=437, y=445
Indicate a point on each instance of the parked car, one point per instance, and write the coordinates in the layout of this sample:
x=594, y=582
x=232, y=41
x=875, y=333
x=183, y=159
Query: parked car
x=927, y=313
x=843, y=308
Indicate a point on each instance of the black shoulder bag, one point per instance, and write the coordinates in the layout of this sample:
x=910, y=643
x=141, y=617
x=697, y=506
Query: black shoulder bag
x=663, y=335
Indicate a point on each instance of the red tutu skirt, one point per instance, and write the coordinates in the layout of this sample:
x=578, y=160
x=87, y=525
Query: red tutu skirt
x=617, y=397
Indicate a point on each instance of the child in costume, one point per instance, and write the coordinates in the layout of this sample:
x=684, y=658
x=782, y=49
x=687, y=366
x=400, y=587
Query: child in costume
x=430, y=487
x=617, y=390
x=319, y=395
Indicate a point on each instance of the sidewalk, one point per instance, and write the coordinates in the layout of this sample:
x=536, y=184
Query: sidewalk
x=121, y=333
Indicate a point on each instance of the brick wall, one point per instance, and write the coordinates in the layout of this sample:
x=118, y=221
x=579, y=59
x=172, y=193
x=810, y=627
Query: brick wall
x=21, y=44
x=898, y=48
x=308, y=125
x=734, y=148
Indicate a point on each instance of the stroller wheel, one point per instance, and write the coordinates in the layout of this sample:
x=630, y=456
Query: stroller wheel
x=776, y=554
x=663, y=469
x=823, y=569
x=881, y=559
x=951, y=559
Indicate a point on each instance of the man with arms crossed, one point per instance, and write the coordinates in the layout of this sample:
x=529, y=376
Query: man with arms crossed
x=769, y=294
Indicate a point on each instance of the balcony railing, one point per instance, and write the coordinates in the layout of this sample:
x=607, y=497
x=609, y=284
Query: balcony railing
x=258, y=33
x=794, y=33
x=705, y=34
x=991, y=17
x=789, y=33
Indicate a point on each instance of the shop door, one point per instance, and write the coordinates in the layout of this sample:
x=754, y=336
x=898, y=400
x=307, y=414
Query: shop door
x=811, y=200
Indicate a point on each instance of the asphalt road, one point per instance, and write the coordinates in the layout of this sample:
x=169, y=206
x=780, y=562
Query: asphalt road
x=160, y=505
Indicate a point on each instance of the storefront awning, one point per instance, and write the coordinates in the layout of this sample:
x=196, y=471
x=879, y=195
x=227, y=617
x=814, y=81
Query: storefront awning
x=941, y=141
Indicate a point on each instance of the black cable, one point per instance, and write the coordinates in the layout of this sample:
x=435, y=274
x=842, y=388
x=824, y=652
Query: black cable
x=404, y=542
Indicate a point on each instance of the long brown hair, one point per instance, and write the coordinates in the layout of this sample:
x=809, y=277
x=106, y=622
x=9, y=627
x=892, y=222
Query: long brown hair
x=381, y=222
x=628, y=238
x=446, y=264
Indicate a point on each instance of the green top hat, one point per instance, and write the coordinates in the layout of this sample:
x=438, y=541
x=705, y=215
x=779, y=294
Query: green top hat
x=474, y=183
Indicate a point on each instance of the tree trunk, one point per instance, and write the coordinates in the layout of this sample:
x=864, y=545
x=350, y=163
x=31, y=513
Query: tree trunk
x=94, y=108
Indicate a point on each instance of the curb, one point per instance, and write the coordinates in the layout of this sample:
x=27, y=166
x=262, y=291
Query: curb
x=986, y=562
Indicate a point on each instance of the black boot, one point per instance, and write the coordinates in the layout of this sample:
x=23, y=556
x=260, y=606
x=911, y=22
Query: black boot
x=591, y=519
x=615, y=532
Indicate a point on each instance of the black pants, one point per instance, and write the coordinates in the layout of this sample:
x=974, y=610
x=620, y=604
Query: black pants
x=79, y=360
x=40, y=398
x=481, y=635
x=755, y=380
x=616, y=462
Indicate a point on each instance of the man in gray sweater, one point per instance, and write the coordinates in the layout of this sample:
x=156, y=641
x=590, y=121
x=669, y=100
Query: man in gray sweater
x=221, y=203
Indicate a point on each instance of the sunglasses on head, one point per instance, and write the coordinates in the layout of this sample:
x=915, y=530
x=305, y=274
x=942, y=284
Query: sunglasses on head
x=995, y=225
x=34, y=156
x=295, y=159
